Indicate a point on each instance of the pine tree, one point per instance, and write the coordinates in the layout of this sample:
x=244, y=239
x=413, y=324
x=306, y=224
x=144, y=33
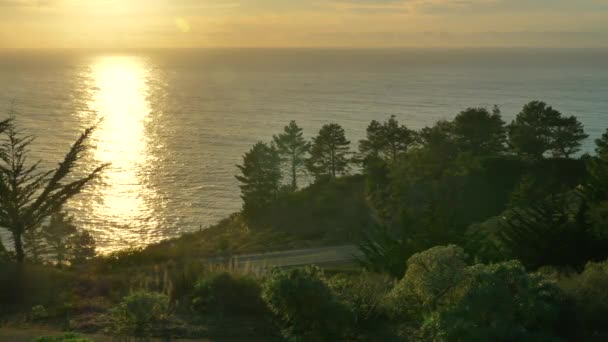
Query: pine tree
x=329, y=152
x=387, y=140
x=56, y=234
x=261, y=180
x=539, y=129
x=29, y=196
x=555, y=231
x=480, y=132
x=602, y=145
x=567, y=137
x=292, y=147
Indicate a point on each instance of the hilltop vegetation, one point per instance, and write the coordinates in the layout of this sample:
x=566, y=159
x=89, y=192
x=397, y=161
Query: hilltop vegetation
x=471, y=230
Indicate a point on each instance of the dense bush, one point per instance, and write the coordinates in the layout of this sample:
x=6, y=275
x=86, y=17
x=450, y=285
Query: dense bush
x=589, y=291
x=65, y=338
x=305, y=306
x=363, y=294
x=501, y=302
x=440, y=298
x=141, y=312
x=433, y=279
x=225, y=293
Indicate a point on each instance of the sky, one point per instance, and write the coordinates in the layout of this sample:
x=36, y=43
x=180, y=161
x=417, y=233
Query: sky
x=302, y=23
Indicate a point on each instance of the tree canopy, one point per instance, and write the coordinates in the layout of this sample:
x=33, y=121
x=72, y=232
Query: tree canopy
x=329, y=154
x=539, y=129
x=260, y=179
x=293, y=149
x=480, y=132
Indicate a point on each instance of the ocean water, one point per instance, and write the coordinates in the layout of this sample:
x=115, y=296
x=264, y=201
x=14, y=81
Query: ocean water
x=176, y=122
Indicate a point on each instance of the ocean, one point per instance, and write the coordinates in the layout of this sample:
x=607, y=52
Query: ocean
x=174, y=123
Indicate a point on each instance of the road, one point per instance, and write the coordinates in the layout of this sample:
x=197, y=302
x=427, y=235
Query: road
x=314, y=256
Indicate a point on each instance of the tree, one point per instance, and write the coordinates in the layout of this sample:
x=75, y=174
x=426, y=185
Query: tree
x=602, y=145
x=82, y=247
x=480, y=132
x=29, y=196
x=539, y=129
x=555, y=231
x=261, y=179
x=292, y=147
x=329, y=152
x=568, y=136
x=387, y=140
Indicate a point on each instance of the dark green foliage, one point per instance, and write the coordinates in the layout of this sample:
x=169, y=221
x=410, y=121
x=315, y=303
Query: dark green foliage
x=305, y=306
x=539, y=129
x=552, y=232
x=69, y=337
x=501, y=302
x=329, y=154
x=225, y=293
x=386, y=141
x=293, y=148
x=24, y=286
x=140, y=313
x=29, y=196
x=363, y=294
x=382, y=252
x=588, y=292
x=602, y=145
x=568, y=137
x=433, y=280
x=332, y=210
x=479, y=132
x=260, y=180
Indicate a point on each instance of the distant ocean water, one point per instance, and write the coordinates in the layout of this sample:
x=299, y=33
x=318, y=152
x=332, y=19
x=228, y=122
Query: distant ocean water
x=176, y=122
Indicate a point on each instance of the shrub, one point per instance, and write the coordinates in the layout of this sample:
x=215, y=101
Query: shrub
x=500, y=302
x=225, y=293
x=39, y=312
x=140, y=312
x=589, y=292
x=305, y=306
x=69, y=337
x=433, y=279
x=363, y=295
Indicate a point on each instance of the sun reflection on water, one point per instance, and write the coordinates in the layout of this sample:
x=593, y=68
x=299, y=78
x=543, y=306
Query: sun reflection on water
x=120, y=98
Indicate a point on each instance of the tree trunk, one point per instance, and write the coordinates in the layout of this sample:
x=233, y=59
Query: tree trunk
x=17, y=238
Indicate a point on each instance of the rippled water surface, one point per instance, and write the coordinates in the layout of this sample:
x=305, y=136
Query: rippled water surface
x=175, y=123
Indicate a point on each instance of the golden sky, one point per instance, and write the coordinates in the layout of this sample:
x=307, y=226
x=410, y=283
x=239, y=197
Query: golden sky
x=302, y=23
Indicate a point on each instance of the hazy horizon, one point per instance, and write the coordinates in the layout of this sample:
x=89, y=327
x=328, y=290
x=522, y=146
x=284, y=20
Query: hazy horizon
x=115, y=24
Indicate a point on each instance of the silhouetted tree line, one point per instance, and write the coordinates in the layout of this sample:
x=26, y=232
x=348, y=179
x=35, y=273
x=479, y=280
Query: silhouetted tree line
x=436, y=185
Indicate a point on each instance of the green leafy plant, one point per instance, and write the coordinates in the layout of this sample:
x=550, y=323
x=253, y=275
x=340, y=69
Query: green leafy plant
x=140, y=313
x=305, y=306
x=225, y=293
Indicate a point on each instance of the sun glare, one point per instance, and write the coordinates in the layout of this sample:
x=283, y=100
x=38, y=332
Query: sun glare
x=120, y=99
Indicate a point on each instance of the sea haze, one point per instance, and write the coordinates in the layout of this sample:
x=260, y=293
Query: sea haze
x=176, y=122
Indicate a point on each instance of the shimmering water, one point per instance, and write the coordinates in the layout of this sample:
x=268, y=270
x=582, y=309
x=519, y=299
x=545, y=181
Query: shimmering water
x=177, y=122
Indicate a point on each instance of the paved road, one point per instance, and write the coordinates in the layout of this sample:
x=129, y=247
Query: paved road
x=300, y=257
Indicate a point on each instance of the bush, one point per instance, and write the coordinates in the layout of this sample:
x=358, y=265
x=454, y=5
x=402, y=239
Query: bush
x=433, y=279
x=225, y=293
x=501, y=302
x=65, y=338
x=589, y=292
x=141, y=312
x=363, y=295
x=305, y=306
x=39, y=312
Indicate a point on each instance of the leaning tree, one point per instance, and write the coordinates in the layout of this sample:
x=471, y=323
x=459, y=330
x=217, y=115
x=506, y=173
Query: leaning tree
x=28, y=195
